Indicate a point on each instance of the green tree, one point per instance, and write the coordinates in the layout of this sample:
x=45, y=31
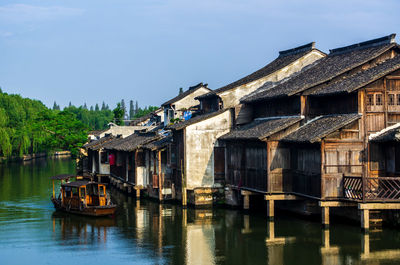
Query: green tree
x=123, y=107
x=131, y=110
x=180, y=90
x=96, y=108
x=118, y=115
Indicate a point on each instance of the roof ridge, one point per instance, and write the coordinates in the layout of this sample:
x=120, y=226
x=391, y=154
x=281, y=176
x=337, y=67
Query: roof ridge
x=365, y=44
x=201, y=84
x=306, y=47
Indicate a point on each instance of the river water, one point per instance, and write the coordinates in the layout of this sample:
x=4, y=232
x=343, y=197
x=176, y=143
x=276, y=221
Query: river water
x=144, y=232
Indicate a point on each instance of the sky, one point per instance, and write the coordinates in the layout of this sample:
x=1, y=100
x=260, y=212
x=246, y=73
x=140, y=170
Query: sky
x=90, y=51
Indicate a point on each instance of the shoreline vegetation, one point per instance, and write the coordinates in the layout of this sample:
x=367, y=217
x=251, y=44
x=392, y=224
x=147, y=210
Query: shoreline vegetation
x=29, y=128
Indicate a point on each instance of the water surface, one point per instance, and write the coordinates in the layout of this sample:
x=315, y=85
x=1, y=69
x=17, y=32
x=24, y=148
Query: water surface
x=144, y=232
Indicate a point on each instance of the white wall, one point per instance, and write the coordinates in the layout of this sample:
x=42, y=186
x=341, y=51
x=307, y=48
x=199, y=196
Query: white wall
x=199, y=148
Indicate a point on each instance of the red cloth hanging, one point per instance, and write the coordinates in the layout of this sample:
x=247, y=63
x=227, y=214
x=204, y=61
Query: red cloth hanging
x=111, y=159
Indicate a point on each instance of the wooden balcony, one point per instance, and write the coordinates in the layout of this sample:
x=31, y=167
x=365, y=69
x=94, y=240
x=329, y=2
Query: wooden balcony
x=378, y=189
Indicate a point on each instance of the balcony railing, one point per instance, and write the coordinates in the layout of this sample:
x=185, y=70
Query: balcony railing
x=374, y=189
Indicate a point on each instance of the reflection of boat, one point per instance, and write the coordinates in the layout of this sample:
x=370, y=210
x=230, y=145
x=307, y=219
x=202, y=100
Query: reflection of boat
x=82, y=196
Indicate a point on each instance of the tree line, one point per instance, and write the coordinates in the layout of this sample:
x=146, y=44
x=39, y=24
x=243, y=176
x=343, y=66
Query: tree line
x=97, y=118
x=27, y=126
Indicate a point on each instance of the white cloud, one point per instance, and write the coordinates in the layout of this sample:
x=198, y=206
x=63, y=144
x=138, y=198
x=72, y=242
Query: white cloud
x=19, y=13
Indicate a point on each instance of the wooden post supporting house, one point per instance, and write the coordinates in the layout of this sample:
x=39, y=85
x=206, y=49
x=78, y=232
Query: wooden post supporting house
x=277, y=197
x=160, y=178
x=184, y=193
x=246, y=199
x=325, y=216
x=271, y=209
x=136, y=176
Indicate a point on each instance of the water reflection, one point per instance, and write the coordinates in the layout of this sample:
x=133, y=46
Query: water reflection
x=88, y=231
x=146, y=232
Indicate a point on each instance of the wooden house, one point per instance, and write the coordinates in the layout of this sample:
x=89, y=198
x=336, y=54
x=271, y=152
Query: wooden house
x=127, y=161
x=158, y=156
x=98, y=163
x=344, y=97
x=200, y=160
x=175, y=107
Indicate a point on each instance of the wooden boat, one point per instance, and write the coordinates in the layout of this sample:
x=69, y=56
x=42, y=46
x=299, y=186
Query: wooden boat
x=82, y=196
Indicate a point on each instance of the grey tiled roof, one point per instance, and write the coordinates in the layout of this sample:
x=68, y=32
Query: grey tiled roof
x=316, y=129
x=259, y=129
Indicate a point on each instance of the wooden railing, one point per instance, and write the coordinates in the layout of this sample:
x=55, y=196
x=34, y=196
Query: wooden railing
x=373, y=189
x=352, y=188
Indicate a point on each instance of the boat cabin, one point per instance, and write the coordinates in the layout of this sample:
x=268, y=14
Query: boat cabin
x=76, y=193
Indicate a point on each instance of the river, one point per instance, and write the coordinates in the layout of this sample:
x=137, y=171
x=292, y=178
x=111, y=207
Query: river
x=144, y=232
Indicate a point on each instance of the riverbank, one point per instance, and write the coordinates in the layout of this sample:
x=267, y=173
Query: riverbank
x=30, y=157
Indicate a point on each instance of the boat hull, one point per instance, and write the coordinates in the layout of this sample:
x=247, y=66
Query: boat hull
x=107, y=210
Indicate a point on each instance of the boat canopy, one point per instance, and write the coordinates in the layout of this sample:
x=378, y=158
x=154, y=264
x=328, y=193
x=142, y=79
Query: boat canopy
x=62, y=177
x=76, y=184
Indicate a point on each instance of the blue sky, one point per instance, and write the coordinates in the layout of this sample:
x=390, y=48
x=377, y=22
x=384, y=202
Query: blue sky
x=105, y=50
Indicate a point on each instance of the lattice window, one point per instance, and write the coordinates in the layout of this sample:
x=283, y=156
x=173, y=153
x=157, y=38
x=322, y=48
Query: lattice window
x=370, y=99
x=378, y=100
x=391, y=99
x=398, y=99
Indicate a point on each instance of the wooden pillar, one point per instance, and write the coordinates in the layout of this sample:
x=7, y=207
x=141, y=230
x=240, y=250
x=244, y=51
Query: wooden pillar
x=365, y=220
x=322, y=169
x=246, y=202
x=126, y=167
x=184, y=191
x=271, y=209
x=137, y=193
x=160, y=180
x=325, y=216
x=303, y=105
x=269, y=167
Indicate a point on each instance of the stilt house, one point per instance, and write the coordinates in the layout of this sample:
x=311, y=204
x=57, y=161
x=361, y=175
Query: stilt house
x=199, y=170
x=344, y=98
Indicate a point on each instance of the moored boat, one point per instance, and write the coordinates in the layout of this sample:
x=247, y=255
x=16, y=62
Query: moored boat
x=82, y=196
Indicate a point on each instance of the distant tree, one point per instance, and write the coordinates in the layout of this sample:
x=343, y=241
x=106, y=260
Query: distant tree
x=136, y=108
x=118, y=115
x=70, y=104
x=123, y=107
x=103, y=106
x=91, y=108
x=142, y=112
x=131, y=110
x=107, y=107
x=180, y=90
x=96, y=108
x=85, y=106
x=1, y=91
x=55, y=106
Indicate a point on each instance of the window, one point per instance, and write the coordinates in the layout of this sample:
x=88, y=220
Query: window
x=370, y=99
x=398, y=99
x=83, y=192
x=391, y=99
x=378, y=99
x=104, y=157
